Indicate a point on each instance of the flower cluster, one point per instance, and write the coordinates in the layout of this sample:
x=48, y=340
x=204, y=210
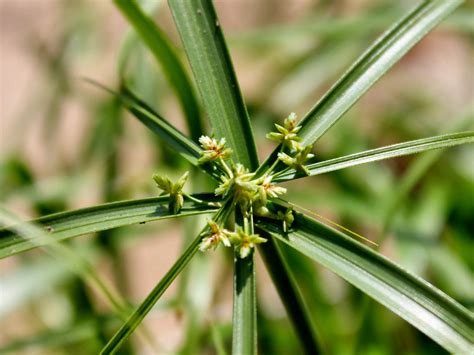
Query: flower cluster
x=243, y=242
x=299, y=160
x=247, y=191
x=287, y=136
x=242, y=188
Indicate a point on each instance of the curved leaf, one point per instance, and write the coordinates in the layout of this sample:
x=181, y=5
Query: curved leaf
x=410, y=297
x=161, y=127
x=166, y=55
x=388, y=152
x=70, y=224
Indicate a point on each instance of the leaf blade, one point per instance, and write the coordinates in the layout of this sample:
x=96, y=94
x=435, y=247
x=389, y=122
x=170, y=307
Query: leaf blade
x=244, y=314
x=289, y=293
x=382, y=153
x=140, y=313
x=137, y=317
x=370, y=67
x=410, y=297
x=166, y=56
x=210, y=61
x=70, y=224
x=374, y=63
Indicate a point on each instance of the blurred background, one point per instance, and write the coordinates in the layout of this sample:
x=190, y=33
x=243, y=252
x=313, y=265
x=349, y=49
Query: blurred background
x=64, y=144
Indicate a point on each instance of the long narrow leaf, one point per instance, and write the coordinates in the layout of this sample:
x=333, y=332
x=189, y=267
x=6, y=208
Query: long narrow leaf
x=170, y=135
x=206, y=49
x=374, y=63
x=410, y=297
x=137, y=317
x=165, y=55
x=244, y=318
x=289, y=293
x=370, y=67
x=388, y=152
x=70, y=224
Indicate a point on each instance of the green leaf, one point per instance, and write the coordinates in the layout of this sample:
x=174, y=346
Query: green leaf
x=137, y=317
x=70, y=224
x=165, y=55
x=244, y=317
x=410, y=297
x=167, y=132
x=370, y=67
x=71, y=258
x=289, y=293
x=388, y=152
x=206, y=49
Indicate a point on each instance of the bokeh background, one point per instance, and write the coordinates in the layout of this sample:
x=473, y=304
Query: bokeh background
x=64, y=144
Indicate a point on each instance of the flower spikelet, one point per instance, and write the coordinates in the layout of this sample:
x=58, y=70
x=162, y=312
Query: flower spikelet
x=213, y=149
x=244, y=242
x=288, y=133
x=217, y=236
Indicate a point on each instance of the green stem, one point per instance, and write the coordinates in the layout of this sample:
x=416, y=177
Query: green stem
x=226, y=167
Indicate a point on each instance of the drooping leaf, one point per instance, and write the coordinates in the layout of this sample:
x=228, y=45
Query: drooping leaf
x=419, y=303
x=166, y=55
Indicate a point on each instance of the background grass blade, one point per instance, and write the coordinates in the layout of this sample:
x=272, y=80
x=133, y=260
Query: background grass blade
x=289, y=293
x=370, y=67
x=410, y=297
x=165, y=55
x=70, y=224
x=207, y=52
x=244, y=317
x=388, y=152
x=137, y=317
x=71, y=259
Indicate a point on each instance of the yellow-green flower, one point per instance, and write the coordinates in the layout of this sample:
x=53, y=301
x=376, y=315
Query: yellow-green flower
x=217, y=236
x=268, y=189
x=240, y=181
x=244, y=242
x=299, y=160
x=213, y=149
x=287, y=134
x=175, y=190
x=287, y=218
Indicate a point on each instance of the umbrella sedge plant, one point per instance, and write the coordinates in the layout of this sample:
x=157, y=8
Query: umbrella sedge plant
x=249, y=210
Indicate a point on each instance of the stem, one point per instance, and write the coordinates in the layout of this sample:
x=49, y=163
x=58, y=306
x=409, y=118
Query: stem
x=226, y=167
x=192, y=198
x=252, y=229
